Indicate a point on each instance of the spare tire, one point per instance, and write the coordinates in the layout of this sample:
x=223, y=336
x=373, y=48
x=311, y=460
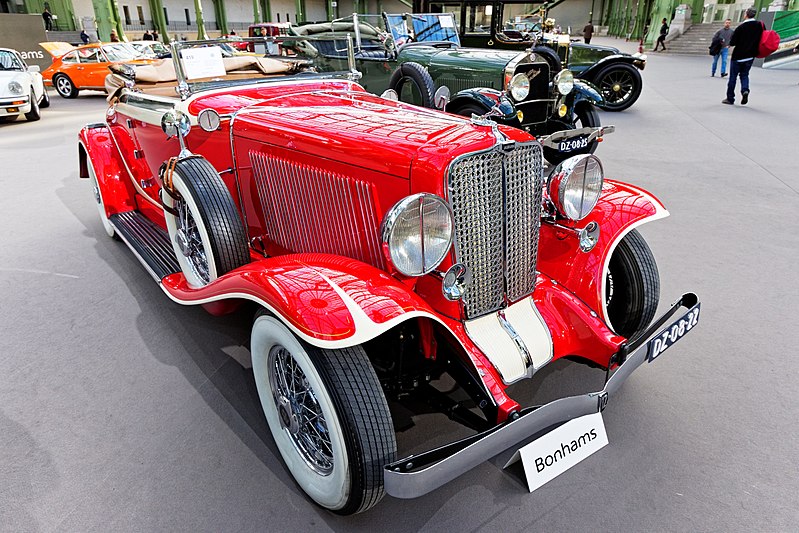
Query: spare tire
x=204, y=225
x=413, y=84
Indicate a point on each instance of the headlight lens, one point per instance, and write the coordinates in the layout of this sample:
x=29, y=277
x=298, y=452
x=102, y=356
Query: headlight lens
x=575, y=185
x=417, y=233
x=519, y=87
x=15, y=88
x=564, y=81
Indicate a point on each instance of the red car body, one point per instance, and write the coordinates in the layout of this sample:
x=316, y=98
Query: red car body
x=313, y=166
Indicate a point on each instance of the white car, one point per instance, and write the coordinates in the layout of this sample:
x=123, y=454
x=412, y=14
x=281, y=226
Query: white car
x=22, y=90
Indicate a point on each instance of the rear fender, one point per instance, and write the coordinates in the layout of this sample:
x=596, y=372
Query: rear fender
x=333, y=302
x=96, y=148
x=621, y=208
x=590, y=72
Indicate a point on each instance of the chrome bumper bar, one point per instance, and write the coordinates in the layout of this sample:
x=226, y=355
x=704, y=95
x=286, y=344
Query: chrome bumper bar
x=417, y=475
x=551, y=141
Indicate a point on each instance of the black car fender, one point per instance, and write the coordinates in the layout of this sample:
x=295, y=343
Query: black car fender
x=590, y=72
x=485, y=98
x=584, y=92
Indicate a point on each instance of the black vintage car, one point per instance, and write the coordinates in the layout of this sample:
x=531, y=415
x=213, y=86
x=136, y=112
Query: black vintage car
x=418, y=54
x=508, y=25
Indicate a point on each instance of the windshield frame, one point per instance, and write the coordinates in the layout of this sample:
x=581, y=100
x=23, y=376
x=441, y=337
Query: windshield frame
x=17, y=64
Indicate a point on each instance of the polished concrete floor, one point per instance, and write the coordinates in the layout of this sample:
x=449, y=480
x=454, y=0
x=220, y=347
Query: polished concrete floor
x=122, y=411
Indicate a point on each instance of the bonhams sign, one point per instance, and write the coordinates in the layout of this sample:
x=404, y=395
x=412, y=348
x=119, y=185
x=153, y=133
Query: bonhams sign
x=23, y=33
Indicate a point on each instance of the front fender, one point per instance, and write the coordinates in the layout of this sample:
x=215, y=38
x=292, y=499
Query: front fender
x=328, y=301
x=96, y=148
x=621, y=208
x=590, y=72
x=487, y=99
x=586, y=92
x=333, y=302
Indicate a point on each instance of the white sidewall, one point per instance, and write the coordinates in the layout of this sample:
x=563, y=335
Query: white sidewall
x=109, y=228
x=331, y=491
x=171, y=224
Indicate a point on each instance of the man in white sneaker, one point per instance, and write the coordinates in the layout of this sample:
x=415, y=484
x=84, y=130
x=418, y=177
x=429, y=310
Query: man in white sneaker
x=745, y=42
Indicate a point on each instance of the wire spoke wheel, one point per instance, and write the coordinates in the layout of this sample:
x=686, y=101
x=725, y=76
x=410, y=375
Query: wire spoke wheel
x=300, y=413
x=190, y=242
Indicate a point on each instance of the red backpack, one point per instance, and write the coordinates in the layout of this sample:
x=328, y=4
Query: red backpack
x=769, y=42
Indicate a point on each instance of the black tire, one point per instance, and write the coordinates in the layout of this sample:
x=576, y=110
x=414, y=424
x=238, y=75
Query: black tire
x=64, y=86
x=209, y=228
x=585, y=115
x=620, y=86
x=632, y=286
x=340, y=464
x=45, y=103
x=551, y=57
x=34, y=114
x=413, y=84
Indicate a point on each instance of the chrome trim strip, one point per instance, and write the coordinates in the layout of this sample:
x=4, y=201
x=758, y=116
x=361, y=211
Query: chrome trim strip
x=528, y=360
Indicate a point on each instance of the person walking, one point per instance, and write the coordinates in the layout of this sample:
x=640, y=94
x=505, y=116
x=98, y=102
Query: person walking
x=664, y=30
x=588, y=32
x=147, y=36
x=114, y=36
x=84, y=37
x=156, y=37
x=48, y=19
x=721, y=40
x=745, y=41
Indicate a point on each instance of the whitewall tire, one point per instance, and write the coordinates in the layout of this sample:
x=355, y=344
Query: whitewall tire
x=327, y=414
x=98, y=198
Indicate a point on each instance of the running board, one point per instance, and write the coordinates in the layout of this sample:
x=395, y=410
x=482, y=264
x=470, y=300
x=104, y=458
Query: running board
x=148, y=241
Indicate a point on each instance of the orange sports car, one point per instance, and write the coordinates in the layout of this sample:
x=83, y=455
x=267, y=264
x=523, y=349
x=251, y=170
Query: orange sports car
x=85, y=67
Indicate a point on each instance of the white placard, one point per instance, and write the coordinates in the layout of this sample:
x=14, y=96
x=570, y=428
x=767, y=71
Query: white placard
x=549, y=456
x=446, y=21
x=205, y=62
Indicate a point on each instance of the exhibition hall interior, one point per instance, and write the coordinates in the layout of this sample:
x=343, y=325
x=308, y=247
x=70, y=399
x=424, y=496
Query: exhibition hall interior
x=399, y=265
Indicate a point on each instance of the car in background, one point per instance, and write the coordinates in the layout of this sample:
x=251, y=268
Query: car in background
x=22, y=90
x=507, y=25
x=419, y=54
x=389, y=253
x=153, y=49
x=85, y=67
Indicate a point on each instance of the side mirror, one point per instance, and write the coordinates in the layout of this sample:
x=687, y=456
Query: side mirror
x=441, y=98
x=34, y=68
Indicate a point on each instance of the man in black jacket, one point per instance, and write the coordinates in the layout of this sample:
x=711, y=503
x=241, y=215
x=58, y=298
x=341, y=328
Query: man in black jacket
x=745, y=42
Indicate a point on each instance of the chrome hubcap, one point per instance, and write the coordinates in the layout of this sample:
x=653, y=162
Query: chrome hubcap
x=299, y=411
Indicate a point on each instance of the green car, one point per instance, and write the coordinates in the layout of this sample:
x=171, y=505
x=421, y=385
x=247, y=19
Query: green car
x=415, y=55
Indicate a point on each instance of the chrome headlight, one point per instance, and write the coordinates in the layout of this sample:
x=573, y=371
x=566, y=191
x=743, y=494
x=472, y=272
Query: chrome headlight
x=575, y=185
x=564, y=81
x=417, y=233
x=15, y=88
x=519, y=87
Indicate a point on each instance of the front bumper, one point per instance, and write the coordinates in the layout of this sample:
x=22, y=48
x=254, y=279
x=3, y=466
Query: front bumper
x=14, y=105
x=417, y=475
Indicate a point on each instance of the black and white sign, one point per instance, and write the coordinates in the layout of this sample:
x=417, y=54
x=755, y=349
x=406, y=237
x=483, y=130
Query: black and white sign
x=549, y=456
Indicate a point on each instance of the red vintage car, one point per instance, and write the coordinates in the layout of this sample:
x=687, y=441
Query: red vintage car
x=387, y=247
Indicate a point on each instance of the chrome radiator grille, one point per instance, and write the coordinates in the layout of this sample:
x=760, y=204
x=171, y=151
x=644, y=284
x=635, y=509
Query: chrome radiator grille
x=308, y=209
x=496, y=200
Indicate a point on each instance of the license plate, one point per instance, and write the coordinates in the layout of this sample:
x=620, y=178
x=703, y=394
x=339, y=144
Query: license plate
x=573, y=144
x=672, y=334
